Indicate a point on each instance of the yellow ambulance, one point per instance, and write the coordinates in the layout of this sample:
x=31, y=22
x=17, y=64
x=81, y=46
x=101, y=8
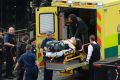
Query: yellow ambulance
x=101, y=16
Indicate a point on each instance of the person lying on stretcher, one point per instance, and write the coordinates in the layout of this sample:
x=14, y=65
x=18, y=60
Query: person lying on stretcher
x=64, y=47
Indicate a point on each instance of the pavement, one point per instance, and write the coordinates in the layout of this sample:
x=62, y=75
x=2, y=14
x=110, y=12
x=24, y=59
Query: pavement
x=75, y=76
x=55, y=76
x=40, y=76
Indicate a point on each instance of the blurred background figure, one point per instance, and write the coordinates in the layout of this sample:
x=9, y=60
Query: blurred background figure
x=10, y=46
x=22, y=50
x=33, y=43
x=30, y=63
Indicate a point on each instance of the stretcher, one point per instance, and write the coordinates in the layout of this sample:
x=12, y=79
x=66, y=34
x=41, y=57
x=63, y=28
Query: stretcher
x=65, y=67
x=70, y=61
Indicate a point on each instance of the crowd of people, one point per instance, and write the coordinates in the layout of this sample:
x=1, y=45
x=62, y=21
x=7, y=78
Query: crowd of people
x=24, y=54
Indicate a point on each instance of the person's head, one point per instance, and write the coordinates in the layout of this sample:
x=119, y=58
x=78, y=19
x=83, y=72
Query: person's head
x=91, y=38
x=25, y=38
x=49, y=34
x=73, y=40
x=28, y=47
x=32, y=41
x=11, y=30
x=72, y=18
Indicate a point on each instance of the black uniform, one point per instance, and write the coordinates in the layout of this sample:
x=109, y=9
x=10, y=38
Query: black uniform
x=21, y=50
x=10, y=52
x=78, y=30
x=94, y=57
x=47, y=73
x=96, y=53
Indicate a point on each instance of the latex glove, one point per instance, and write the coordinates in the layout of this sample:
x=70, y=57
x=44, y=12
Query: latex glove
x=86, y=62
x=14, y=59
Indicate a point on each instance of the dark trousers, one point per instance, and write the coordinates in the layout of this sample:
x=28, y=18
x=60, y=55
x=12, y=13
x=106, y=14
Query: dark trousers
x=31, y=74
x=91, y=71
x=20, y=74
x=9, y=63
x=48, y=74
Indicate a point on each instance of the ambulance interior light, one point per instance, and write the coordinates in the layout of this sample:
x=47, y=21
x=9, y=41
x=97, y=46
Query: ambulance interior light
x=69, y=2
x=99, y=3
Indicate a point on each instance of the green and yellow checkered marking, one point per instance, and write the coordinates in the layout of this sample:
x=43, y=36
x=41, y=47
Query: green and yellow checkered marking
x=112, y=46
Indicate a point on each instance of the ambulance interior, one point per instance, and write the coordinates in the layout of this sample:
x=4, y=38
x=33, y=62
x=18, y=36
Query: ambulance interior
x=87, y=15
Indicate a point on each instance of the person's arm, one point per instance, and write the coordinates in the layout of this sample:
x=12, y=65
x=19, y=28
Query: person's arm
x=42, y=46
x=8, y=44
x=17, y=66
x=77, y=31
x=41, y=51
x=69, y=44
x=19, y=62
x=6, y=41
x=90, y=50
x=37, y=63
x=35, y=59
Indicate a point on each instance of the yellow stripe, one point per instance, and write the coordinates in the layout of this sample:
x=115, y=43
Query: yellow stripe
x=98, y=34
x=98, y=22
x=99, y=27
x=99, y=30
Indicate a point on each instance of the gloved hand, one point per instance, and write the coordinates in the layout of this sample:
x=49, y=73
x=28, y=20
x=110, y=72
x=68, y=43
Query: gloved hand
x=14, y=59
x=86, y=62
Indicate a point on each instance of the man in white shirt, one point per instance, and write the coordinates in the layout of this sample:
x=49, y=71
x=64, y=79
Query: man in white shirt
x=93, y=55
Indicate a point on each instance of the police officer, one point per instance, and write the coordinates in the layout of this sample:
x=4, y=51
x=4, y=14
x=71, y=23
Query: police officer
x=10, y=42
x=29, y=61
x=22, y=50
x=93, y=55
x=47, y=73
x=22, y=45
x=1, y=52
